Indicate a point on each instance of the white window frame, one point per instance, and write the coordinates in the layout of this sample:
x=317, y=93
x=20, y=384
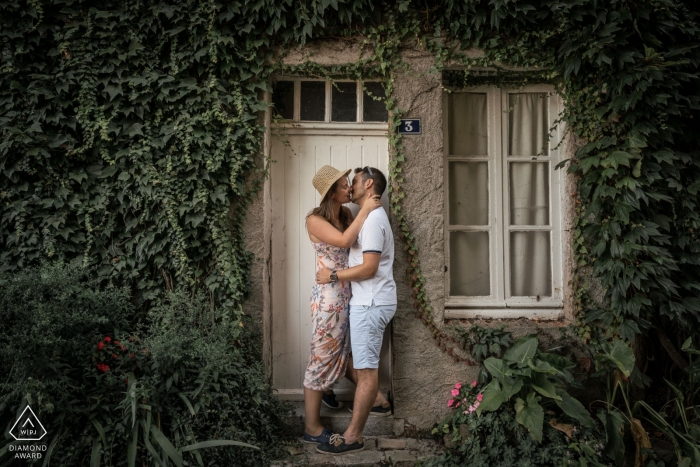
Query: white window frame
x=327, y=124
x=499, y=304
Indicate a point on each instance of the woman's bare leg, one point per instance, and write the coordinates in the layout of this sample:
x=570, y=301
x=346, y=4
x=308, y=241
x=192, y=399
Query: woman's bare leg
x=351, y=374
x=312, y=409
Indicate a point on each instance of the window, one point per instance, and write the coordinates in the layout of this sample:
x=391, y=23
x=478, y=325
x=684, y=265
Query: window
x=502, y=208
x=320, y=101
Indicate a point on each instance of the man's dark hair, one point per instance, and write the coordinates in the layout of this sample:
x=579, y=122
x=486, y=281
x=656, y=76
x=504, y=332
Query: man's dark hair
x=376, y=175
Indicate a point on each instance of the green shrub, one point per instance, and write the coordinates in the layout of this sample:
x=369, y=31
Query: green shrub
x=496, y=438
x=119, y=393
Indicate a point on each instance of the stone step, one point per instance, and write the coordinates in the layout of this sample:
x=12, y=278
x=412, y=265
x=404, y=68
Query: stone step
x=338, y=421
x=379, y=451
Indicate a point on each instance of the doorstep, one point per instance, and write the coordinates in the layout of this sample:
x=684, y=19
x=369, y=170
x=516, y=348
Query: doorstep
x=338, y=421
x=379, y=451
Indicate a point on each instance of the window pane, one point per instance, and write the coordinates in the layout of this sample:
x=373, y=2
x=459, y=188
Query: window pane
x=283, y=99
x=468, y=124
x=530, y=268
x=528, y=124
x=469, y=195
x=374, y=110
x=344, y=102
x=469, y=264
x=313, y=101
x=529, y=193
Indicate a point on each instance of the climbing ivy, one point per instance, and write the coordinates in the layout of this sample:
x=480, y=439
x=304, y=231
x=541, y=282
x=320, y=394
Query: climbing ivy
x=130, y=131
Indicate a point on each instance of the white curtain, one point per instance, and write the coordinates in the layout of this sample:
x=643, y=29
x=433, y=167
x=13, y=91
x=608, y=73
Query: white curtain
x=468, y=131
x=530, y=252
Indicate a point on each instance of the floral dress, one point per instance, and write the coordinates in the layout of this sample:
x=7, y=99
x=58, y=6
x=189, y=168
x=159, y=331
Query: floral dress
x=330, y=342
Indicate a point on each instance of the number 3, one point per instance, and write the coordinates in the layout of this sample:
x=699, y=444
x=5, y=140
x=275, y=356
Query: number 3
x=409, y=126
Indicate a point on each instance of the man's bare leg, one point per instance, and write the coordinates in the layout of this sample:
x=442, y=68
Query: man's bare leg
x=366, y=392
x=312, y=409
x=351, y=374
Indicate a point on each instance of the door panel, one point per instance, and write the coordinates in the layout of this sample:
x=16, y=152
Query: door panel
x=296, y=160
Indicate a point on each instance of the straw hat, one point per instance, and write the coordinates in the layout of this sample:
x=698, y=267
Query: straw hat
x=326, y=177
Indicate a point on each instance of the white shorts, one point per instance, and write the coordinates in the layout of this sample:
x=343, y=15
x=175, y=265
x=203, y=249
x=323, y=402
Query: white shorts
x=367, y=325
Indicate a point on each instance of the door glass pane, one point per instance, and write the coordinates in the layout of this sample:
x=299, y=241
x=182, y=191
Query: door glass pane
x=530, y=264
x=469, y=264
x=528, y=124
x=529, y=193
x=344, y=102
x=468, y=124
x=283, y=99
x=469, y=193
x=313, y=101
x=374, y=110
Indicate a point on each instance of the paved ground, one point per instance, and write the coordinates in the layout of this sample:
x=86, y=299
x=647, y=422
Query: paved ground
x=379, y=451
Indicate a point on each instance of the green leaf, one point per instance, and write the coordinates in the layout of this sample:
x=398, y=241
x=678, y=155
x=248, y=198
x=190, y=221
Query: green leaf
x=621, y=355
x=497, y=368
x=522, y=349
x=540, y=366
x=493, y=398
x=131, y=447
x=47, y=457
x=100, y=430
x=573, y=408
x=187, y=403
x=544, y=386
x=167, y=446
x=511, y=386
x=530, y=415
x=95, y=456
x=217, y=442
x=614, y=423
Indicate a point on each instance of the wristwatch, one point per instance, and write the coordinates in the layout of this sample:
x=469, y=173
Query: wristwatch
x=334, y=276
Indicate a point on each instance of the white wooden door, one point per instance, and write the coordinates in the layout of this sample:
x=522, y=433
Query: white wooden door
x=296, y=158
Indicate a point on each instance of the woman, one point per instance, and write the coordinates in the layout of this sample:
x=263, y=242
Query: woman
x=332, y=231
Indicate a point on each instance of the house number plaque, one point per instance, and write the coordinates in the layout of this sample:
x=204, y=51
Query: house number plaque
x=410, y=126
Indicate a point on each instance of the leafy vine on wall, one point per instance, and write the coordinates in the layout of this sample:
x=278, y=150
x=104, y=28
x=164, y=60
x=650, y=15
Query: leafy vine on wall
x=129, y=131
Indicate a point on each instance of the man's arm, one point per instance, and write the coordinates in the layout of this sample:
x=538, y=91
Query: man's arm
x=366, y=270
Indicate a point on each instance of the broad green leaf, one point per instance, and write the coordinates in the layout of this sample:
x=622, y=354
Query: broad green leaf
x=498, y=368
x=573, y=408
x=47, y=457
x=493, y=398
x=217, y=442
x=530, y=414
x=540, y=366
x=511, y=386
x=522, y=349
x=621, y=355
x=541, y=384
x=614, y=423
x=557, y=361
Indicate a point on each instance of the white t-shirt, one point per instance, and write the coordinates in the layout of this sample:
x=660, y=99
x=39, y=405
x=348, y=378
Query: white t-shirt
x=375, y=237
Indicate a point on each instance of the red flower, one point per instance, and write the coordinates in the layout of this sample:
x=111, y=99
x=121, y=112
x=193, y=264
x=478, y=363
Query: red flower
x=117, y=343
x=122, y=347
x=100, y=346
x=131, y=355
x=107, y=339
x=102, y=367
x=114, y=355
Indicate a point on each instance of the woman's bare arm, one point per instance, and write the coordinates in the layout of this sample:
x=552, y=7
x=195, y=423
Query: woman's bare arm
x=323, y=230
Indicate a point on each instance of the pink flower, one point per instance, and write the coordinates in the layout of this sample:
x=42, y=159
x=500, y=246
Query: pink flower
x=476, y=405
x=480, y=397
x=455, y=392
x=458, y=386
x=473, y=384
x=450, y=402
x=471, y=409
x=457, y=404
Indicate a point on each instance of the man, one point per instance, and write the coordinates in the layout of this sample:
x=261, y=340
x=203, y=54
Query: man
x=372, y=306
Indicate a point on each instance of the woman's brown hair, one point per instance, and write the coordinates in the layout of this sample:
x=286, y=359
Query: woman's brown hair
x=325, y=210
